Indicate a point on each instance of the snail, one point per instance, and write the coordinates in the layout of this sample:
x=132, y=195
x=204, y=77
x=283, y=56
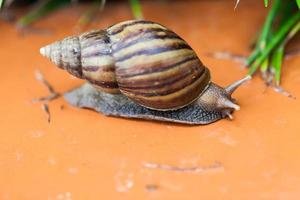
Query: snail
x=149, y=67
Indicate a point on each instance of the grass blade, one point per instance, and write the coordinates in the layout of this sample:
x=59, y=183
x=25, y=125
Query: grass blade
x=266, y=2
x=277, y=63
x=1, y=3
x=279, y=53
x=264, y=67
x=278, y=37
x=298, y=3
x=293, y=32
x=236, y=4
x=43, y=9
x=136, y=9
x=264, y=33
x=90, y=14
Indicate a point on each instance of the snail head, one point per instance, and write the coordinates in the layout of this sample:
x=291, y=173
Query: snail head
x=66, y=54
x=216, y=98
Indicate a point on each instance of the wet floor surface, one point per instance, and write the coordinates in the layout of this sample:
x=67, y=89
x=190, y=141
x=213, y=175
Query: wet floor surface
x=81, y=154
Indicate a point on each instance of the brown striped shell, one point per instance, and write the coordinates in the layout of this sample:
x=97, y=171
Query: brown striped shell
x=143, y=60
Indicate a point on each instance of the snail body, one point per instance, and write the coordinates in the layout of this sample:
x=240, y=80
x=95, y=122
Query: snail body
x=146, y=62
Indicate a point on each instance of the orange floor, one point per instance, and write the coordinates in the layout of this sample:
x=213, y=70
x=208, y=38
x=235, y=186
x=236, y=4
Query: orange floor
x=81, y=154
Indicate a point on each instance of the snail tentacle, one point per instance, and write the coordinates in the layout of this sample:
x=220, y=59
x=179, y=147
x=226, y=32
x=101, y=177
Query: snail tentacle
x=232, y=87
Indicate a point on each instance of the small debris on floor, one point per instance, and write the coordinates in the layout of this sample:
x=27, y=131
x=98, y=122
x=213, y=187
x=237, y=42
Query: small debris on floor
x=282, y=91
x=228, y=56
x=53, y=94
x=45, y=108
x=214, y=166
x=151, y=187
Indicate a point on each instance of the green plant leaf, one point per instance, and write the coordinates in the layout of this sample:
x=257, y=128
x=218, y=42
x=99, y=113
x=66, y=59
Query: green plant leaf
x=298, y=3
x=136, y=8
x=279, y=36
x=236, y=4
x=277, y=63
x=266, y=2
x=43, y=9
x=262, y=40
x=1, y=3
x=89, y=15
x=294, y=31
x=264, y=66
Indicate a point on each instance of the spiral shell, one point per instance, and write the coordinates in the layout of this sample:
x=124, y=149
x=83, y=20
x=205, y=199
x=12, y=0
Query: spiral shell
x=97, y=61
x=143, y=60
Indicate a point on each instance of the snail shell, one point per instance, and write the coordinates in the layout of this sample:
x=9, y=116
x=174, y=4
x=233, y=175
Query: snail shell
x=147, y=62
x=143, y=60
